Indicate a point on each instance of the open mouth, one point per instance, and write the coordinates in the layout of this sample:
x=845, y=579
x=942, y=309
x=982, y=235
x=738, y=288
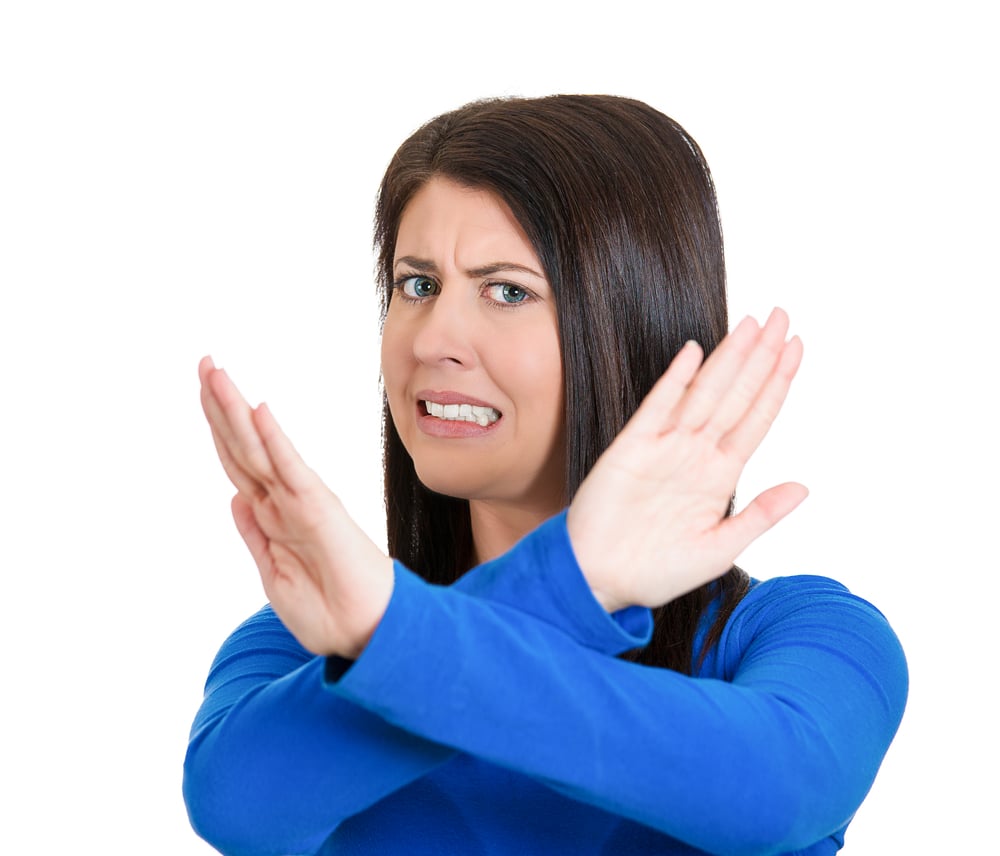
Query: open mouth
x=481, y=416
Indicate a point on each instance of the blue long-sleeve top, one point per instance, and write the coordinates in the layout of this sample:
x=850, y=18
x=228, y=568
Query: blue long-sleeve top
x=494, y=717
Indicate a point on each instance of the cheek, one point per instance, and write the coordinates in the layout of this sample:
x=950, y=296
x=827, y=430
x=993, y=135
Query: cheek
x=533, y=365
x=393, y=352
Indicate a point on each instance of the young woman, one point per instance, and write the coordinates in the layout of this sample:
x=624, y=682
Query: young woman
x=560, y=656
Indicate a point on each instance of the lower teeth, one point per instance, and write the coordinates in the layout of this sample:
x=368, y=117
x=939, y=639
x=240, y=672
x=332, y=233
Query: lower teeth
x=482, y=421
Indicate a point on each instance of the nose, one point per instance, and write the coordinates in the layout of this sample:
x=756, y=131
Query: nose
x=445, y=331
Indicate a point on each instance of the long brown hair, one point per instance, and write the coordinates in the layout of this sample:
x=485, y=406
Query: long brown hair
x=619, y=205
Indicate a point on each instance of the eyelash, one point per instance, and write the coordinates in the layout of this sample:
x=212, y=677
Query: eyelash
x=400, y=284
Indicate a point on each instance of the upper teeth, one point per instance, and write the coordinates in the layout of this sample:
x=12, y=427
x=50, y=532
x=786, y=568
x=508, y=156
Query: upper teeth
x=464, y=412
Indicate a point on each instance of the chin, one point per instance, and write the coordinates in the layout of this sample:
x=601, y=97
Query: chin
x=457, y=483
x=448, y=484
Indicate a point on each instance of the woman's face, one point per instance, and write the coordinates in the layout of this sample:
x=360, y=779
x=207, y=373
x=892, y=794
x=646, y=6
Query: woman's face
x=470, y=352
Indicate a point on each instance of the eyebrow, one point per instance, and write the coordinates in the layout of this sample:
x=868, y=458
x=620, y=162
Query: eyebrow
x=427, y=266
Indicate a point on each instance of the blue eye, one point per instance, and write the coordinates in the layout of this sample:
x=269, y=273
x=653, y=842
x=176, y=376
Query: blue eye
x=418, y=287
x=506, y=292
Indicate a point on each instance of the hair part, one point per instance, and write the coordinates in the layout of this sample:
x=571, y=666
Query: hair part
x=619, y=205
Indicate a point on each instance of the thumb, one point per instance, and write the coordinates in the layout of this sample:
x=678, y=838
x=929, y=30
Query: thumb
x=736, y=533
x=256, y=541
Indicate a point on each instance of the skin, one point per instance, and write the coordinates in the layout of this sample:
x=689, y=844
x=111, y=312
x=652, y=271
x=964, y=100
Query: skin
x=473, y=315
x=647, y=523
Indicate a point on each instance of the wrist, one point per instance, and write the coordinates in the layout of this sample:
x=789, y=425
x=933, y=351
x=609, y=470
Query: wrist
x=608, y=601
x=367, y=607
x=603, y=592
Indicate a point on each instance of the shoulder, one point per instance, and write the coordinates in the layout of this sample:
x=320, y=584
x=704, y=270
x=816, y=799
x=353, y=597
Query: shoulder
x=260, y=643
x=782, y=597
x=790, y=618
x=259, y=650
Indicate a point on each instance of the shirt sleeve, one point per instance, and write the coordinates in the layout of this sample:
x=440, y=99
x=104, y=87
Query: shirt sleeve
x=771, y=759
x=540, y=577
x=275, y=761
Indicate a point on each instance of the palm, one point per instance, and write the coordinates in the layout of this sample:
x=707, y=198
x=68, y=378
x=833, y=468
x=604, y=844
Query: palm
x=648, y=523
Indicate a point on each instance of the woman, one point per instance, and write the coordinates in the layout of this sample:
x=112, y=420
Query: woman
x=528, y=677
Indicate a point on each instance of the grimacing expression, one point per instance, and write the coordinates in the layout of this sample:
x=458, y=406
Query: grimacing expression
x=470, y=352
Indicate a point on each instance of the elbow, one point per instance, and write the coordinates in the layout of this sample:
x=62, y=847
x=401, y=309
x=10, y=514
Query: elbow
x=241, y=810
x=209, y=811
x=779, y=823
x=813, y=800
x=217, y=810
x=798, y=799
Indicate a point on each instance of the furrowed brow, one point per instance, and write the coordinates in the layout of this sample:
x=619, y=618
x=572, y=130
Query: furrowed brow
x=501, y=267
x=427, y=266
x=419, y=265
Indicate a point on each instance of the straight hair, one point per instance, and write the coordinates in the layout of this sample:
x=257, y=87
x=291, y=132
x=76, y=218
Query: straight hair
x=619, y=205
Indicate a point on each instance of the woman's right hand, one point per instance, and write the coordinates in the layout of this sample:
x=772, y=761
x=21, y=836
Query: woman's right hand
x=648, y=524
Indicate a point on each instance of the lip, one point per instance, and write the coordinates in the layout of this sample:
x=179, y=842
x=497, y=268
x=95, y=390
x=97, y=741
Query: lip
x=451, y=429
x=454, y=429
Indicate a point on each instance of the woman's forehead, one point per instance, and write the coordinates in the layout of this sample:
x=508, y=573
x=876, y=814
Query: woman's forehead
x=448, y=224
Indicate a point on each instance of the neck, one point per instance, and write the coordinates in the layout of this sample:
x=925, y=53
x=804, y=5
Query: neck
x=496, y=527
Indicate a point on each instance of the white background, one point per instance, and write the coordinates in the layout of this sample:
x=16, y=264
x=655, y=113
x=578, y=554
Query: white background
x=187, y=178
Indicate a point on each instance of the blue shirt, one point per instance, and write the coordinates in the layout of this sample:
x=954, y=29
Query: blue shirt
x=494, y=717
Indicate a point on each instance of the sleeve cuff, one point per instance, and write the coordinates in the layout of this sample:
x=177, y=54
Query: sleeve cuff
x=541, y=577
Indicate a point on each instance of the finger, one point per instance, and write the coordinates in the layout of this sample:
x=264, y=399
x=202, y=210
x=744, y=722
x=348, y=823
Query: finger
x=232, y=417
x=752, y=376
x=205, y=366
x=271, y=558
x=209, y=403
x=240, y=478
x=748, y=434
x=255, y=539
x=653, y=414
x=716, y=376
x=288, y=464
x=736, y=533
x=238, y=475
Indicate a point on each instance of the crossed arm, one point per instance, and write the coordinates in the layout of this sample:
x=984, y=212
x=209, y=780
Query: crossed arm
x=647, y=525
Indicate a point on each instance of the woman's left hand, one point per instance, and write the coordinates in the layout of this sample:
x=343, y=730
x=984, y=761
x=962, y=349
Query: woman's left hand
x=325, y=578
x=648, y=524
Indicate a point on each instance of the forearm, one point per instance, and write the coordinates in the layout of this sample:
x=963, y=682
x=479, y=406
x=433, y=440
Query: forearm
x=267, y=718
x=540, y=577
x=803, y=728
x=289, y=761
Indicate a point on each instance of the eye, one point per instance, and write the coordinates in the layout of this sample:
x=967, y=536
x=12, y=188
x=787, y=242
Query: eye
x=507, y=292
x=417, y=287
